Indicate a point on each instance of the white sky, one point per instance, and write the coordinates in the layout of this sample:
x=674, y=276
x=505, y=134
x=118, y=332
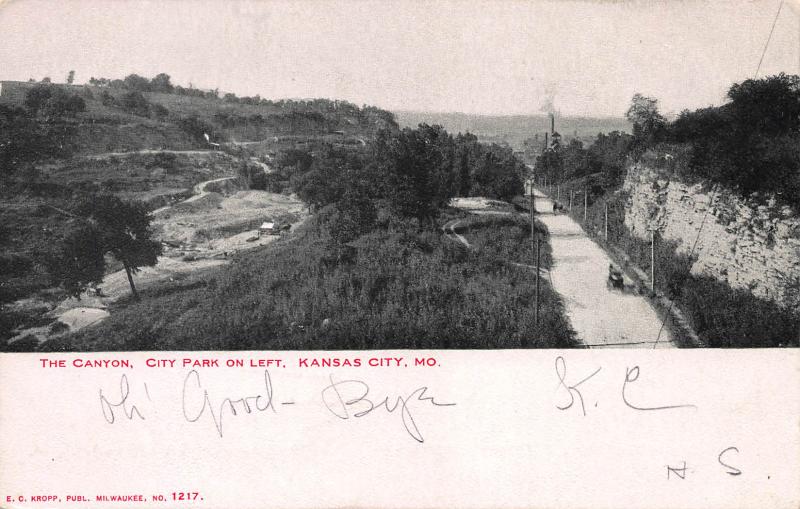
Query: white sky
x=496, y=57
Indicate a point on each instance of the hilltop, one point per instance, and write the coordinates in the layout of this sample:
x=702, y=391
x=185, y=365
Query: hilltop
x=135, y=114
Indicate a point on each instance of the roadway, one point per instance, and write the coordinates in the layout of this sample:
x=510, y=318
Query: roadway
x=601, y=316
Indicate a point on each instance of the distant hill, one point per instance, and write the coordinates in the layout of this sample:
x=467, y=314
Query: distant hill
x=513, y=129
x=115, y=120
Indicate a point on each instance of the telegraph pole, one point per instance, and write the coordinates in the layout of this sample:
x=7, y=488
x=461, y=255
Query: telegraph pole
x=538, y=251
x=606, y=222
x=534, y=247
x=652, y=261
x=585, y=203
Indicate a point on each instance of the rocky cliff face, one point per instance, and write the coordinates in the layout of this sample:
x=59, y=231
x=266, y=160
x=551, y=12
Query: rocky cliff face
x=749, y=246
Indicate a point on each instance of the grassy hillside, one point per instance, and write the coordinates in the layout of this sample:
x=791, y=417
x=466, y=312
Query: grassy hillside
x=398, y=288
x=113, y=120
x=371, y=268
x=48, y=160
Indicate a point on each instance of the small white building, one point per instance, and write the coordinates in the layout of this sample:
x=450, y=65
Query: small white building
x=268, y=228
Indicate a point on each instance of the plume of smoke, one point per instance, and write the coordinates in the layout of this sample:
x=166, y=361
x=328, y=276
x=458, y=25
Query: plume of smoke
x=549, y=102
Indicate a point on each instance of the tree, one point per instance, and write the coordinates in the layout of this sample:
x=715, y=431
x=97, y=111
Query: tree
x=107, y=99
x=648, y=123
x=355, y=214
x=36, y=96
x=158, y=111
x=71, y=77
x=53, y=101
x=550, y=164
x=770, y=105
x=607, y=155
x=417, y=170
x=109, y=225
x=23, y=139
x=137, y=83
x=79, y=260
x=328, y=177
x=161, y=83
x=134, y=102
x=62, y=104
x=751, y=143
x=196, y=128
x=498, y=174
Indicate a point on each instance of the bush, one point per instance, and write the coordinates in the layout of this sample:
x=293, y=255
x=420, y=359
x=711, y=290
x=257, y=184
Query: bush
x=196, y=128
x=158, y=111
x=135, y=103
x=721, y=316
x=53, y=101
x=724, y=317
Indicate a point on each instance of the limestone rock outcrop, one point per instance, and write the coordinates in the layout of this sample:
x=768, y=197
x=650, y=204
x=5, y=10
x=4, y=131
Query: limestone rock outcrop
x=749, y=246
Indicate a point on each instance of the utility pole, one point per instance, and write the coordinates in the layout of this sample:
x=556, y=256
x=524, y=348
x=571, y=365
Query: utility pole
x=534, y=249
x=585, y=203
x=606, y=222
x=558, y=193
x=652, y=261
x=538, y=251
x=530, y=208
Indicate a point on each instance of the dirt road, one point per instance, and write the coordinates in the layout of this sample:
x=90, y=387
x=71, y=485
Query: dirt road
x=208, y=209
x=147, y=151
x=602, y=317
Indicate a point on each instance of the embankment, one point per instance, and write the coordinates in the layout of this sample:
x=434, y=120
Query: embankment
x=744, y=244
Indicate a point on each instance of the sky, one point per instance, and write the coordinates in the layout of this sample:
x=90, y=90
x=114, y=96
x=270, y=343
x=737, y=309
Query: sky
x=499, y=57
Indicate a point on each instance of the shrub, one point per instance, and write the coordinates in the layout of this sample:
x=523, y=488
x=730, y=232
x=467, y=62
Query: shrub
x=135, y=103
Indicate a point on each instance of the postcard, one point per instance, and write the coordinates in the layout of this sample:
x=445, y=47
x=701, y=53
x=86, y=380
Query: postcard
x=399, y=254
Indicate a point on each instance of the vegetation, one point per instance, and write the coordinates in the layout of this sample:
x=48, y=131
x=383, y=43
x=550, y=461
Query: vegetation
x=35, y=206
x=720, y=315
x=24, y=140
x=52, y=101
x=105, y=224
x=370, y=270
x=395, y=287
x=416, y=171
x=750, y=145
x=508, y=238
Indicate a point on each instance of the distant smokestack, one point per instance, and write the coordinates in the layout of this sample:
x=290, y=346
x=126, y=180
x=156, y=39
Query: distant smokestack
x=552, y=123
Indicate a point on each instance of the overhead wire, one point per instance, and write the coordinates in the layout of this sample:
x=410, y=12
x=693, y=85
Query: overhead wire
x=714, y=190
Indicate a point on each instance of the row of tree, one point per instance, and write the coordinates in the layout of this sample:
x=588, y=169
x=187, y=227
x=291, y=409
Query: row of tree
x=750, y=144
x=413, y=173
x=604, y=160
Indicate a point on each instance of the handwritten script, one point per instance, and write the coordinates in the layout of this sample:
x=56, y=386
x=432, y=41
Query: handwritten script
x=345, y=399
x=353, y=399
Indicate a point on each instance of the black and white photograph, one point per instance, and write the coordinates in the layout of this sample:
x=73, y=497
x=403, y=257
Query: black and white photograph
x=268, y=175
x=400, y=254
